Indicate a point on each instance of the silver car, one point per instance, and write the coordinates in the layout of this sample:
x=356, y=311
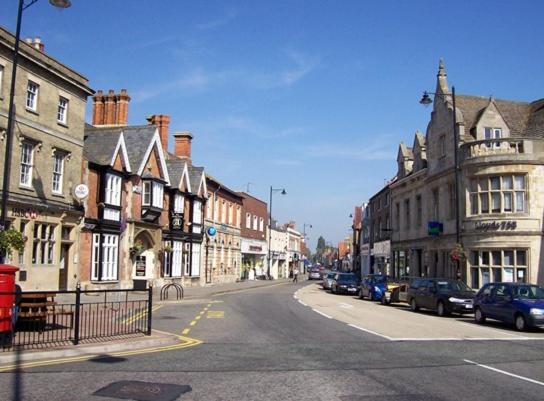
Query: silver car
x=327, y=280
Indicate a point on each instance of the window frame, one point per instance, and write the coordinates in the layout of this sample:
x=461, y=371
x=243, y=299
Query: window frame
x=62, y=110
x=44, y=242
x=155, y=191
x=58, y=174
x=105, y=257
x=32, y=96
x=482, y=195
x=29, y=164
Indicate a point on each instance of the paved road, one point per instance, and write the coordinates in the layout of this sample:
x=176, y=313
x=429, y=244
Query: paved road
x=263, y=344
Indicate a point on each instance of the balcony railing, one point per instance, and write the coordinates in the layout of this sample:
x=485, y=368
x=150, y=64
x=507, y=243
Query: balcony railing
x=492, y=147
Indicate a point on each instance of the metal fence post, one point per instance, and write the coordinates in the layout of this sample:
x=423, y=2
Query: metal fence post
x=149, y=308
x=76, y=318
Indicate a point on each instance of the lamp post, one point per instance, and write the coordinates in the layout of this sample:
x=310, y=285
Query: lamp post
x=426, y=100
x=304, y=225
x=9, y=130
x=272, y=190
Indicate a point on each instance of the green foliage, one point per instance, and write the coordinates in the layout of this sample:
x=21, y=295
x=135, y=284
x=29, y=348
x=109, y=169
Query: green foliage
x=320, y=245
x=11, y=240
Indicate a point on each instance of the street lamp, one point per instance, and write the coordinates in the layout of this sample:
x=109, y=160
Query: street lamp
x=272, y=190
x=9, y=130
x=427, y=100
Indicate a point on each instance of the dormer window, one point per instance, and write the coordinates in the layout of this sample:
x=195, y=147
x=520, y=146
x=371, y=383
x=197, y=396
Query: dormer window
x=112, y=197
x=492, y=133
x=153, y=194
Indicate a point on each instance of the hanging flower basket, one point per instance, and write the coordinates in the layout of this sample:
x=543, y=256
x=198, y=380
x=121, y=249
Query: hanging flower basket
x=138, y=248
x=168, y=248
x=458, y=253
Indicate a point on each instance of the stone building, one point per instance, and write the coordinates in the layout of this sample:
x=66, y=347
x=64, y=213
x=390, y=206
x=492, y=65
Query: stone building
x=294, y=254
x=501, y=207
x=254, y=236
x=46, y=157
x=222, y=250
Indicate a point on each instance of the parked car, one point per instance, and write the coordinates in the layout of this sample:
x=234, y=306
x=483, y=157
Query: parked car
x=519, y=304
x=345, y=283
x=314, y=274
x=327, y=280
x=444, y=296
x=373, y=286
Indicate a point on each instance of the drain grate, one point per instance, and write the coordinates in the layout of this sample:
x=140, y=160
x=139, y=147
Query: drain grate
x=143, y=391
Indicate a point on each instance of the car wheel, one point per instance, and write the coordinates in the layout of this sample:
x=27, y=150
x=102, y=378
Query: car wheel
x=441, y=309
x=479, y=316
x=361, y=294
x=520, y=323
x=371, y=295
x=383, y=300
x=413, y=305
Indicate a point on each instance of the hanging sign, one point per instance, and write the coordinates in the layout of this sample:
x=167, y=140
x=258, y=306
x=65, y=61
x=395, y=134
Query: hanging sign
x=211, y=231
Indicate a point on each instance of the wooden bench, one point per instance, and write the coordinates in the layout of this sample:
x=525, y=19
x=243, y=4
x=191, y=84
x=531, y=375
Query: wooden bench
x=35, y=307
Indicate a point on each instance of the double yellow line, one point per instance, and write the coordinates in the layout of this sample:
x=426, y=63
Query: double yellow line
x=139, y=315
x=185, y=342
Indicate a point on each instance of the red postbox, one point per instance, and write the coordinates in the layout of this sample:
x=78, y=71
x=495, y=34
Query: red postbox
x=7, y=284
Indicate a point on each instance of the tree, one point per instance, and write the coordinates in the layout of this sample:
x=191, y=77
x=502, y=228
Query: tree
x=320, y=245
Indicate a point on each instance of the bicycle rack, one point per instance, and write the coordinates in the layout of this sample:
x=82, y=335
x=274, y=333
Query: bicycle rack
x=166, y=288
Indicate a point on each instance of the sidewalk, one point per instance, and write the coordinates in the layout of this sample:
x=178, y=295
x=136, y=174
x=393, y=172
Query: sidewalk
x=157, y=339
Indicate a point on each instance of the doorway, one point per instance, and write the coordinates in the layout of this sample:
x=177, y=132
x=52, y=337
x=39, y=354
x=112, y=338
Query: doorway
x=63, y=267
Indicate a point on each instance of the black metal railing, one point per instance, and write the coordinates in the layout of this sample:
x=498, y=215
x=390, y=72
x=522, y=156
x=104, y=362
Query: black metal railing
x=44, y=319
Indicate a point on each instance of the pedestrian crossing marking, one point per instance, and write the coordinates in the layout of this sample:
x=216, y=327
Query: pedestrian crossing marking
x=215, y=314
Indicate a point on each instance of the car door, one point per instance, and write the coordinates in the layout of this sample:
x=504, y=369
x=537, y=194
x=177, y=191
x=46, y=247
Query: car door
x=366, y=285
x=485, y=299
x=422, y=293
x=501, y=305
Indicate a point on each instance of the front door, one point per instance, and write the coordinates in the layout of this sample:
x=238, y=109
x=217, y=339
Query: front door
x=63, y=267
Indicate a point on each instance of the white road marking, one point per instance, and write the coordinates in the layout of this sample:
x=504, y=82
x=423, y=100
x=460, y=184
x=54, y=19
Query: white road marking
x=370, y=332
x=302, y=303
x=322, y=314
x=346, y=306
x=505, y=373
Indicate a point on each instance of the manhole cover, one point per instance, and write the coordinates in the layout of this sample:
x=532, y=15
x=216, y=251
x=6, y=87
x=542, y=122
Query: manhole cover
x=143, y=391
x=166, y=317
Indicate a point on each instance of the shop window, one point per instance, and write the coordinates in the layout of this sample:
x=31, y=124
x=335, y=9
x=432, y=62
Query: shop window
x=43, y=247
x=173, y=260
x=506, y=265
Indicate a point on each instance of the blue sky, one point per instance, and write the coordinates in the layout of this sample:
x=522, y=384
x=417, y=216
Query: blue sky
x=313, y=96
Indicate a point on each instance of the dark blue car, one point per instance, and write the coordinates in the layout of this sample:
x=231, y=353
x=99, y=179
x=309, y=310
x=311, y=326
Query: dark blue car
x=373, y=286
x=519, y=304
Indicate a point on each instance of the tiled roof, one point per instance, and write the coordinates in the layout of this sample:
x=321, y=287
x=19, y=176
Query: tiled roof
x=100, y=145
x=175, y=170
x=535, y=125
x=195, y=175
x=516, y=114
x=137, y=139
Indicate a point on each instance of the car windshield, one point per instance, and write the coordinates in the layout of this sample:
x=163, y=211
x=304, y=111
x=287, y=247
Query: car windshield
x=452, y=286
x=330, y=275
x=528, y=292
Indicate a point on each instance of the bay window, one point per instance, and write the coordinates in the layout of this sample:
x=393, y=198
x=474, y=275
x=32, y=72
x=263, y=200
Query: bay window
x=43, y=249
x=153, y=193
x=178, y=203
x=112, y=197
x=498, y=265
x=197, y=217
x=498, y=194
x=174, y=259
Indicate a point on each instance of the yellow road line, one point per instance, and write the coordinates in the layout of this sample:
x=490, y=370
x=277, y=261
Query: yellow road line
x=185, y=331
x=139, y=315
x=186, y=342
x=198, y=317
x=201, y=312
x=192, y=323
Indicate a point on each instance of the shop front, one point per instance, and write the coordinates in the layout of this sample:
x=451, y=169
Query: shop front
x=254, y=254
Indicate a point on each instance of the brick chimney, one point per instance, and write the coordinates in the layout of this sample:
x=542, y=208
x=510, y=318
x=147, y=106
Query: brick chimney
x=98, y=108
x=182, y=144
x=36, y=43
x=121, y=109
x=110, y=109
x=109, y=112
x=162, y=122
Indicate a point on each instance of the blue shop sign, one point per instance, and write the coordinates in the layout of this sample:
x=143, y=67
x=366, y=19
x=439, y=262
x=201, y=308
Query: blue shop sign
x=211, y=231
x=435, y=228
